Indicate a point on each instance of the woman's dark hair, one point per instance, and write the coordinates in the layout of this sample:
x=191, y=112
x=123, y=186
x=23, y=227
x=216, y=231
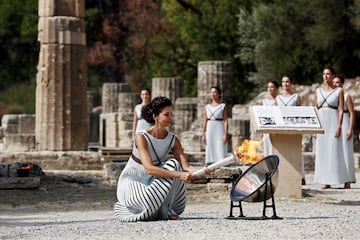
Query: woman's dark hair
x=275, y=84
x=217, y=89
x=146, y=89
x=289, y=77
x=331, y=69
x=155, y=107
x=342, y=80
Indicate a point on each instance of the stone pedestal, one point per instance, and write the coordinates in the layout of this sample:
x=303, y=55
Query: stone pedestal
x=288, y=148
x=286, y=140
x=61, y=81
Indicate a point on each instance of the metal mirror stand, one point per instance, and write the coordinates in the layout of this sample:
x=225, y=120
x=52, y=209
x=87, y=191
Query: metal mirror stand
x=268, y=175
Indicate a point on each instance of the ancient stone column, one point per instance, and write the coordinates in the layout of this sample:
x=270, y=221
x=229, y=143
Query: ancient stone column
x=171, y=87
x=61, y=81
x=127, y=101
x=110, y=94
x=213, y=73
x=185, y=114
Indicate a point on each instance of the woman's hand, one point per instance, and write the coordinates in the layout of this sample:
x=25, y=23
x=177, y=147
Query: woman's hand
x=338, y=132
x=186, y=176
x=203, y=139
x=225, y=138
x=207, y=170
x=349, y=135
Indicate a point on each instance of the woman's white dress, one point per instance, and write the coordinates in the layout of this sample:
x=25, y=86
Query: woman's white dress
x=267, y=146
x=142, y=124
x=348, y=144
x=215, y=149
x=287, y=100
x=142, y=197
x=330, y=167
x=291, y=101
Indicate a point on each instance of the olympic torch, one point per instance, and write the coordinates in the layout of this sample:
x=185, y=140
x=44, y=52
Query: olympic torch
x=223, y=162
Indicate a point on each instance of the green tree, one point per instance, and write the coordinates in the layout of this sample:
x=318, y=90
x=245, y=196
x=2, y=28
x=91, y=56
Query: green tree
x=19, y=52
x=18, y=41
x=202, y=31
x=299, y=38
x=335, y=35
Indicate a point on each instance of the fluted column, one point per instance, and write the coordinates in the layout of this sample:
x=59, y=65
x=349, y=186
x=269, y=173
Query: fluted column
x=110, y=96
x=170, y=87
x=61, y=81
x=213, y=73
x=185, y=114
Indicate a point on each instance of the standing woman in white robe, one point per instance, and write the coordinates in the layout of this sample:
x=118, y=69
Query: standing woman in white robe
x=347, y=131
x=139, y=123
x=330, y=167
x=215, y=128
x=270, y=100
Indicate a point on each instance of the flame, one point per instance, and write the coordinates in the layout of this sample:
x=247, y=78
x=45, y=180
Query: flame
x=27, y=166
x=249, y=152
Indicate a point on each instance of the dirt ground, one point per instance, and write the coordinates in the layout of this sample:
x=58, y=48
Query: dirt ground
x=62, y=192
x=66, y=207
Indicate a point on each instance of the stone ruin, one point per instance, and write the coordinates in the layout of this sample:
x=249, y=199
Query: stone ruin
x=68, y=133
x=111, y=124
x=21, y=175
x=60, y=84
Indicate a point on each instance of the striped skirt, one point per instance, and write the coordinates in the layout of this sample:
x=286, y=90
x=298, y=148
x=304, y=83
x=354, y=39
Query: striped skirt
x=142, y=197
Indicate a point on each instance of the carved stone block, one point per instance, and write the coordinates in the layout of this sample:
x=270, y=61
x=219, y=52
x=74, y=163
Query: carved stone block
x=61, y=30
x=51, y=8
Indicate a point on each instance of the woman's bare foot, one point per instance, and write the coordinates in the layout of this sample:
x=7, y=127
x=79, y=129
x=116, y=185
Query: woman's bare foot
x=347, y=185
x=174, y=217
x=325, y=186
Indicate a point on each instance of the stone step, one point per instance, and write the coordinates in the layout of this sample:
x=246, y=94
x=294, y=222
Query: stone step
x=19, y=183
x=100, y=174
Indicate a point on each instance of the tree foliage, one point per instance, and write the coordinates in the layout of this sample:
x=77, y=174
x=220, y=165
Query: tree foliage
x=299, y=38
x=206, y=31
x=19, y=51
x=122, y=45
x=135, y=40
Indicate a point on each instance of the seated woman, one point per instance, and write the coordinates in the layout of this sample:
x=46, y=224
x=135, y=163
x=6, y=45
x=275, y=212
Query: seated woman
x=151, y=187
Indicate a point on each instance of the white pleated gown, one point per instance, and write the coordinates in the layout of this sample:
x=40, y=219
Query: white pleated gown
x=142, y=124
x=143, y=197
x=215, y=149
x=330, y=166
x=348, y=144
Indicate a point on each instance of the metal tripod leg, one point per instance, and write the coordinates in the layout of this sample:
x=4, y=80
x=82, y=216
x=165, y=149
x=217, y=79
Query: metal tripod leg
x=272, y=205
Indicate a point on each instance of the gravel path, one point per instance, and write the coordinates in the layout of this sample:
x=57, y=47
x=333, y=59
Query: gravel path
x=73, y=210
